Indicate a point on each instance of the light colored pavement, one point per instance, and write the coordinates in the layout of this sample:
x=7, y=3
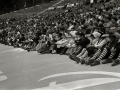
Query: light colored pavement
x=22, y=70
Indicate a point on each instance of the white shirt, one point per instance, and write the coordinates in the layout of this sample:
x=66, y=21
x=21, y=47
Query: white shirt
x=70, y=27
x=91, y=1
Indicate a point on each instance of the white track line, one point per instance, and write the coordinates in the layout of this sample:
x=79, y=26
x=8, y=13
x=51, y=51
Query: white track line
x=84, y=72
x=2, y=78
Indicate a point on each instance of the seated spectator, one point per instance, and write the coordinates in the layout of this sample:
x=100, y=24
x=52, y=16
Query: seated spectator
x=21, y=40
x=103, y=52
x=27, y=44
x=60, y=44
x=82, y=42
x=17, y=38
x=69, y=49
x=35, y=42
x=115, y=50
x=95, y=46
x=45, y=48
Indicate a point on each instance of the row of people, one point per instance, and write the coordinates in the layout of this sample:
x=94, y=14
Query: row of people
x=87, y=49
x=50, y=32
x=106, y=47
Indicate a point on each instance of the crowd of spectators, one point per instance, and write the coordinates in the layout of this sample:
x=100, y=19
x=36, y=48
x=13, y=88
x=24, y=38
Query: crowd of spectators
x=87, y=34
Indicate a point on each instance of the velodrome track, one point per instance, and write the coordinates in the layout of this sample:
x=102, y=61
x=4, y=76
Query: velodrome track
x=22, y=70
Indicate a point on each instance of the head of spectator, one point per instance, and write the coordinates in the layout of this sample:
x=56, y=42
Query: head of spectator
x=80, y=35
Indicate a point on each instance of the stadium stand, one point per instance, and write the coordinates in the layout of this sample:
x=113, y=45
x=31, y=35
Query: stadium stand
x=86, y=33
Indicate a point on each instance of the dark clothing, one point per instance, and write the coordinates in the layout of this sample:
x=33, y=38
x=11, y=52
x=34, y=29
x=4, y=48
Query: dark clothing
x=112, y=43
x=108, y=46
x=117, y=52
x=91, y=51
x=36, y=39
x=64, y=50
x=117, y=45
x=21, y=39
x=82, y=42
x=45, y=48
x=58, y=50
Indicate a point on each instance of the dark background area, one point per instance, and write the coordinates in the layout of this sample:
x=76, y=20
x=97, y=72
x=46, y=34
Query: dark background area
x=7, y=6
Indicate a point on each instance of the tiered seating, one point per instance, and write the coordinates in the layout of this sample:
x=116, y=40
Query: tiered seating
x=65, y=31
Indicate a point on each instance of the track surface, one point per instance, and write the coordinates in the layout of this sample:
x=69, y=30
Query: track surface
x=22, y=70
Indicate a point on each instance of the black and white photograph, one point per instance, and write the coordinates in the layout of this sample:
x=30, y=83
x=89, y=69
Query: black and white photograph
x=59, y=44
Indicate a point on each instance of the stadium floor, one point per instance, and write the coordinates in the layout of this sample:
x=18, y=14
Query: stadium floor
x=22, y=70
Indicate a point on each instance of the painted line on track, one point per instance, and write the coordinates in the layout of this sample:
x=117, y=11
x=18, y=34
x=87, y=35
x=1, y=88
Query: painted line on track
x=79, y=84
x=3, y=77
x=85, y=72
